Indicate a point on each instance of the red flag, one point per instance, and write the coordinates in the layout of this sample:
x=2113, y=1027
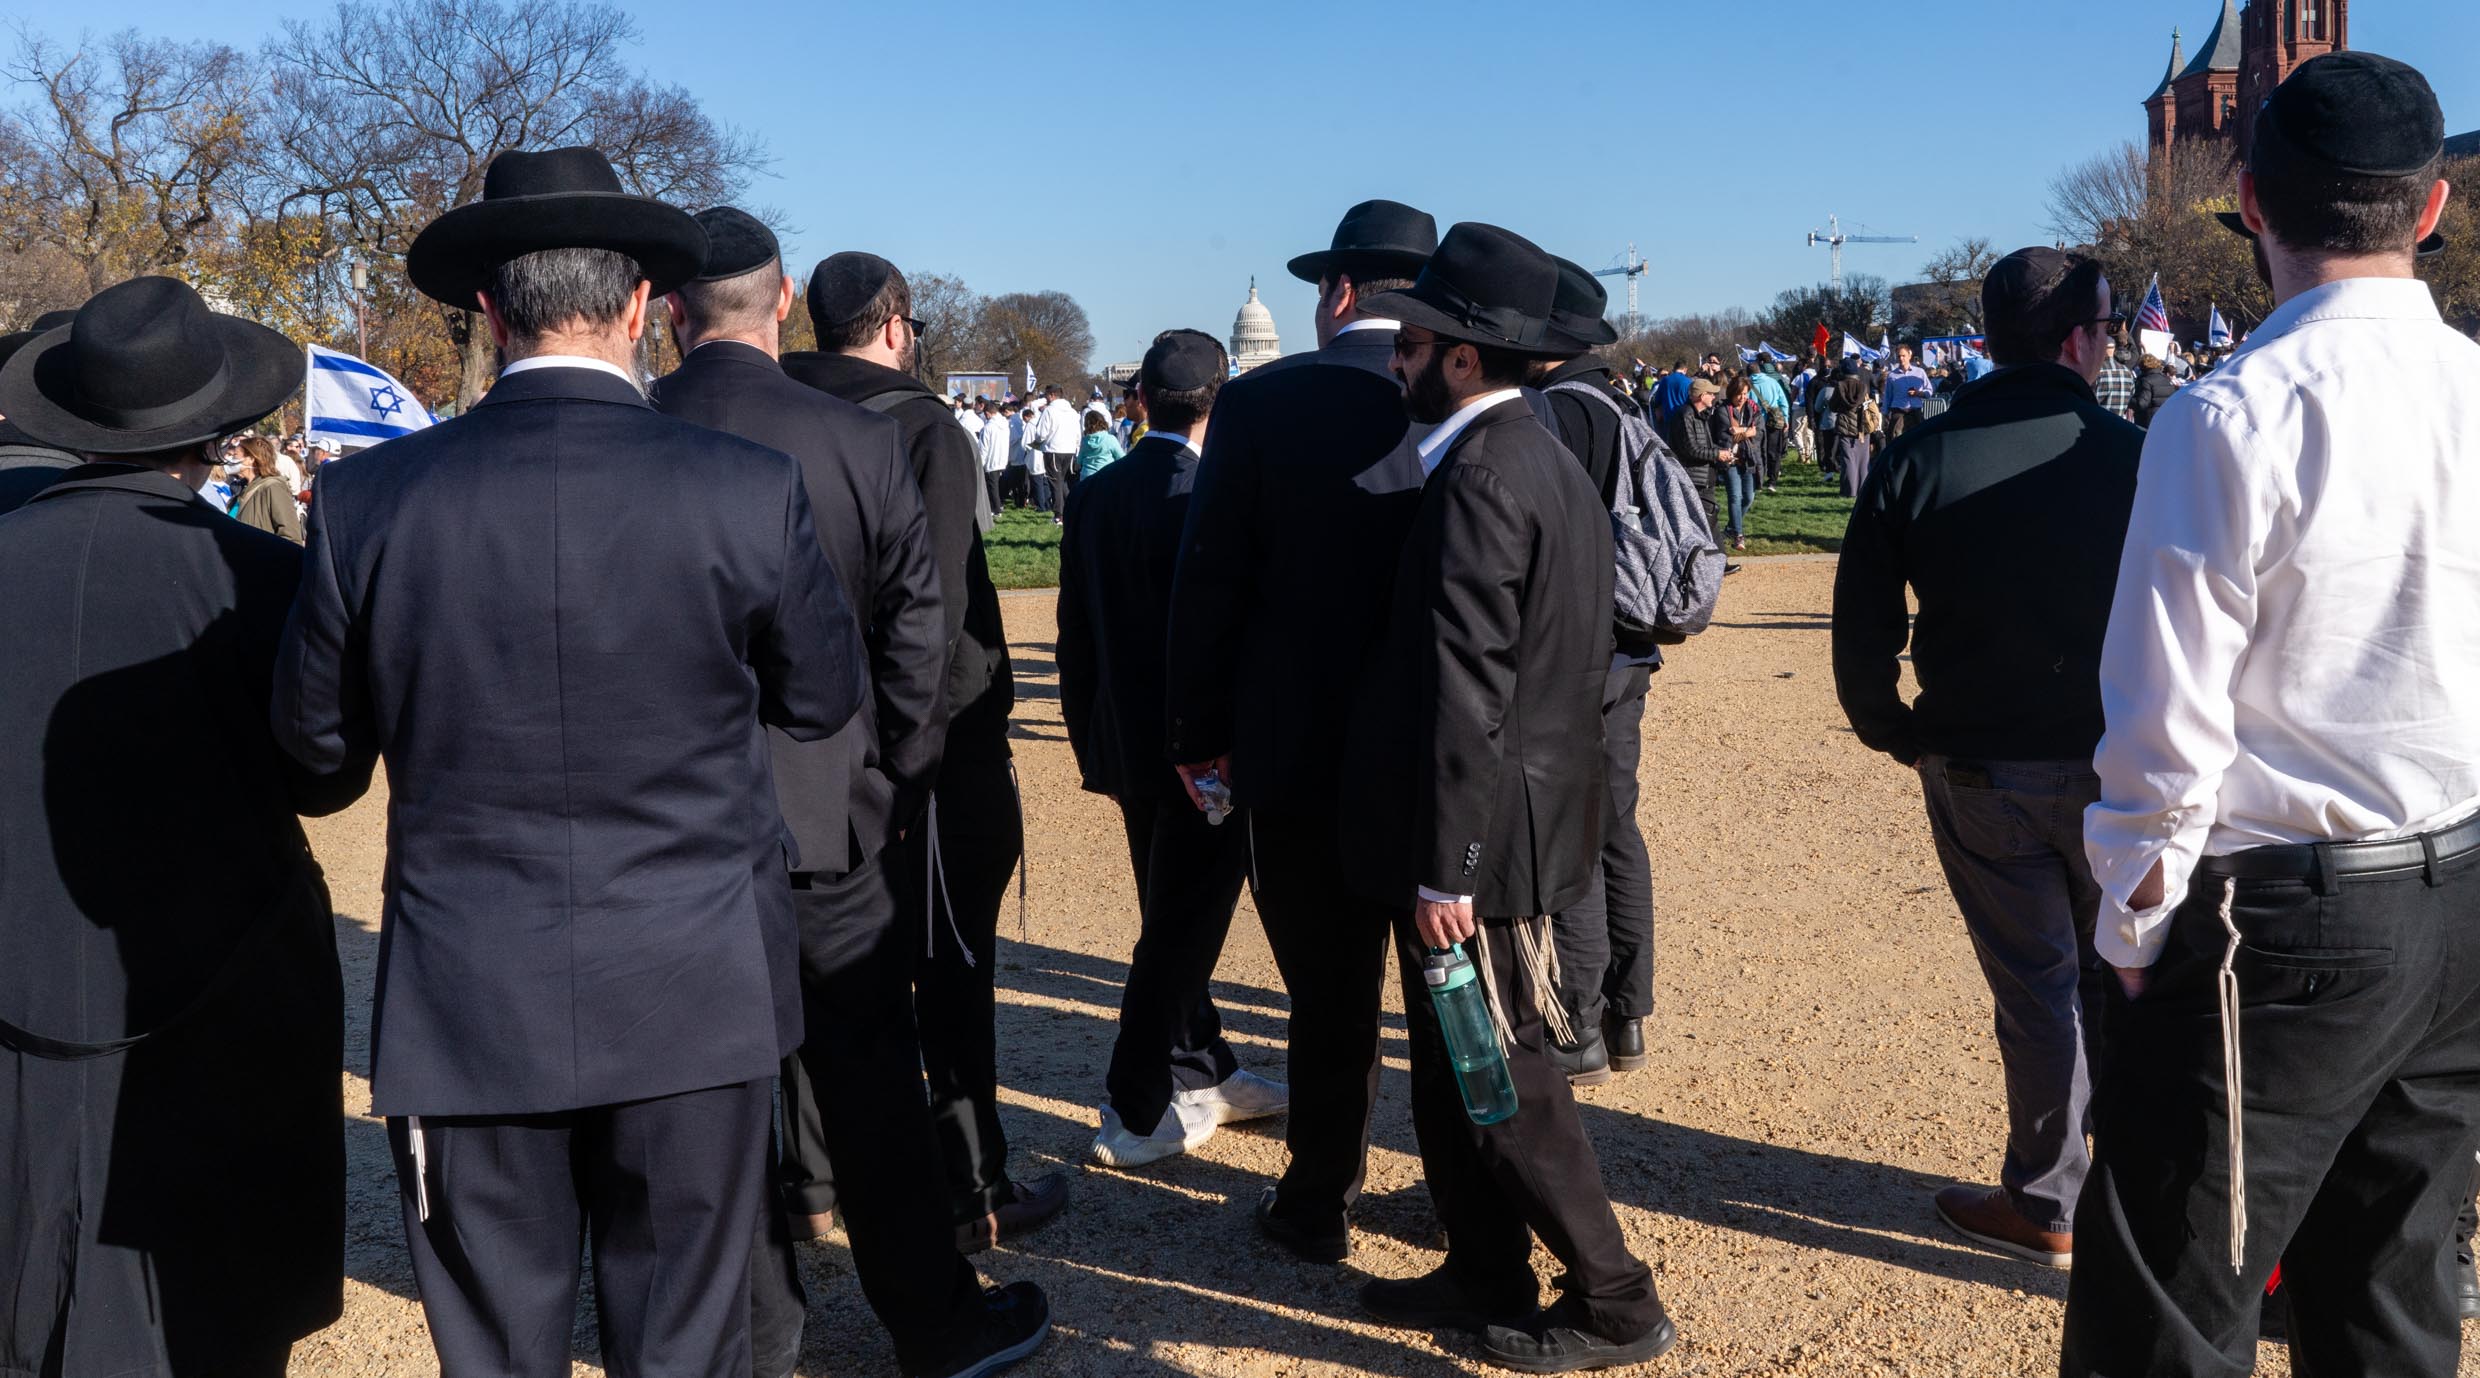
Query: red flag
x=1822, y=339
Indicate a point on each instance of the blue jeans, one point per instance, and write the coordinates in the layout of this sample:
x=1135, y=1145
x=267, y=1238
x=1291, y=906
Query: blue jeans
x=1740, y=482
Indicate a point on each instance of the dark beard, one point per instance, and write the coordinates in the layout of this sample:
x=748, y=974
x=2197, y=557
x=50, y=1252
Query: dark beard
x=1426, y=399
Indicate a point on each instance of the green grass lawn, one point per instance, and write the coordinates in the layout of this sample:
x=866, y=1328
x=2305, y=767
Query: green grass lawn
x=1023, y=551
x=1805, y=518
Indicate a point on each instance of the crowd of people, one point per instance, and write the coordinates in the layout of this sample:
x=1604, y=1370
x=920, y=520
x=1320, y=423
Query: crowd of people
x=701, y=812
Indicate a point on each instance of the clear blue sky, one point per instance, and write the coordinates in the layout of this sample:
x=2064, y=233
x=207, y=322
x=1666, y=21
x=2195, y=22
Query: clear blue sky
x=1148, y=158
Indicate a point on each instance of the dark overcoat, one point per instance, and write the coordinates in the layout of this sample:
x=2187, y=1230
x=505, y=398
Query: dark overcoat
x=846, y=797
x=561, y=617
x=1475, y=763
x=1302, y=501
x=166, y=1207
x=1116, y=556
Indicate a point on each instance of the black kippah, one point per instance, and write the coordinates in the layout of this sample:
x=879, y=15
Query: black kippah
x=2351, y=113
x=1182, y=361
x=736, y=243
x=843, y=286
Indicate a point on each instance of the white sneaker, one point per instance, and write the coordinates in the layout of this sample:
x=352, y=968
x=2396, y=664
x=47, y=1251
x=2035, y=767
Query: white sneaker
x=1177, y=1133
x=1244, y=1095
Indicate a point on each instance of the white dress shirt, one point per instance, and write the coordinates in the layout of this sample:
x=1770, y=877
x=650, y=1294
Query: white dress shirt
x=572, y=361
x=1433, y=450
x=2294, y=652
x=1369, y=323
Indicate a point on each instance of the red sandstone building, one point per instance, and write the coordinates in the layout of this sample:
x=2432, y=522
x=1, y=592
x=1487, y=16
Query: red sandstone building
x=2215, y=96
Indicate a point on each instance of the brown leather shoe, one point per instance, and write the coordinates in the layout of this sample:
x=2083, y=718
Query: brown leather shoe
x=1028, y=1207
x=1987, y=1216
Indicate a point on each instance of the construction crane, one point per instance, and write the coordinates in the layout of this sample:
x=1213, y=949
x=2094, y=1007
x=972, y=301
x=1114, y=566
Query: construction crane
x=1834, y=238
x=1631, y=268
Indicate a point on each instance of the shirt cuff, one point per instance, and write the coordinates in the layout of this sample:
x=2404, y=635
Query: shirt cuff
x=1442, y=897
x=2131, y=937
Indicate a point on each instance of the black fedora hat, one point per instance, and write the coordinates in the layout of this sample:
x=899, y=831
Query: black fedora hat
x=561, y=198
x=145, y=366
x=2346, y=114
x=16, y=340
x=1375, y=239
x=1484, y=286
x=1576, y=314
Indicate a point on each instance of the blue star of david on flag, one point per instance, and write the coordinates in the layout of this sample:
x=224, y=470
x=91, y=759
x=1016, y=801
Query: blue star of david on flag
x=356, y=404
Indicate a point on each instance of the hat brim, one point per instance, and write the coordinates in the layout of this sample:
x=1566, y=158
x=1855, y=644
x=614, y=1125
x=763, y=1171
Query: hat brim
x=1411, y=310
x=454, y=256
x=1594, y=335
x=261, y=370
x=2236, y=223
x=1386, y=263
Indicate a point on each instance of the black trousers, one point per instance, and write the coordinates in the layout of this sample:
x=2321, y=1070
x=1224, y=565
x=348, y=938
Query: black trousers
x=1330, y=946
x=980, y=834
x=665, y=1191
x=991, y=480
x=855, y=1112
x=1534, y=1173
x=1014, y=485
x=1605, y=943
x=1062, y=470
x=1188, y=882
x=2359, y=1033
x=1703, y=478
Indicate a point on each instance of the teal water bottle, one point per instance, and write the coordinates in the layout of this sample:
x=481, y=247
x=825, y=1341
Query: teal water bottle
x=1472, y=1037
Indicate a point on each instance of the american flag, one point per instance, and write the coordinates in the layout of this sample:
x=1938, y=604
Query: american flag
x=2153, y=315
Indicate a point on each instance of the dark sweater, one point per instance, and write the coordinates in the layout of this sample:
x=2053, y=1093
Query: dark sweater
x=2005, y=518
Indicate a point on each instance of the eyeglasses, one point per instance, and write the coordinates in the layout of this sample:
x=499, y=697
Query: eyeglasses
x=912, y=323
x=1406, y=345
x=2113, y=320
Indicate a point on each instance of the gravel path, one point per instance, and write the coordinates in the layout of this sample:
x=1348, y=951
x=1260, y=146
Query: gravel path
x=1822, y=1063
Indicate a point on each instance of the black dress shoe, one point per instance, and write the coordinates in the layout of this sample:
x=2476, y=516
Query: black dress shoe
x=1326, y=1242
x=1434, y=1301
x=1011, y=1323
x=1549, y=1344
x=1027, y=1207
x=1625, y=1038
x=1586, y=1064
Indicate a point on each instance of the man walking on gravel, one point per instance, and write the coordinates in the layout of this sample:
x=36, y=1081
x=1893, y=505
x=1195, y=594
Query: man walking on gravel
x=2286, y=842
x=2004, y=518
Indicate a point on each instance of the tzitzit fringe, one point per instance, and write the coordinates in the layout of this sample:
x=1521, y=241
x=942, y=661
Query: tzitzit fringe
x=2228, y=982
x=1539, y=958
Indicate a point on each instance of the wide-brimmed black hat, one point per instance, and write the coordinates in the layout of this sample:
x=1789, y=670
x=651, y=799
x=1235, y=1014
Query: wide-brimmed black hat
x=145, y=366
x=1484, y=286
x=2347, y=115
x=16, y=340
x=1375, y=239
x=561, y=198
x=1576, y=313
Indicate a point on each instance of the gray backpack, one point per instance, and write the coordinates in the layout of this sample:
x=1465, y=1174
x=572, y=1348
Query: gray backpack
x=1669, y=564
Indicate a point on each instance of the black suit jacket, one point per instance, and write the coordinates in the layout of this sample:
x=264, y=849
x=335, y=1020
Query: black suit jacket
x=848, y=796
x=1476, y=760
x=1307, y=488
x=980, y=689
x=561, y=618
x=1116, y=558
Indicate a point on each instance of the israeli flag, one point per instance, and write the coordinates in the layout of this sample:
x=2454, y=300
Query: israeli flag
x=2216, y=330
x=1030, y=387
x=1772, y=353
x=349, y=401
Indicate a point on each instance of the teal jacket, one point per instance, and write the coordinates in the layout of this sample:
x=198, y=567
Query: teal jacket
x=1096, y=454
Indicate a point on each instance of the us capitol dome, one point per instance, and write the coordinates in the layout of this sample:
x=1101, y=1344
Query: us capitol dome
x=1253, y=340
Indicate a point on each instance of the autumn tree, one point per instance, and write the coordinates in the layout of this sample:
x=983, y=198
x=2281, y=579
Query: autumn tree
x=2142, y=216
x=125, y=156
x=1047, y=329
x=1948, y=296
x=390, y=112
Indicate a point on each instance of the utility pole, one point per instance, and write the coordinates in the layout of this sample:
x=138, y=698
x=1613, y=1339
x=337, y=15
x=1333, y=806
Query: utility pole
x=360, y=273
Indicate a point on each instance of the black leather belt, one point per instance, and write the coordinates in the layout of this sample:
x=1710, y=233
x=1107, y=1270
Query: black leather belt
x=2324, y=861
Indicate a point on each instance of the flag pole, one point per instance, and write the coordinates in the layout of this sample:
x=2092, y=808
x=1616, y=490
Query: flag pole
x=309, y=371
